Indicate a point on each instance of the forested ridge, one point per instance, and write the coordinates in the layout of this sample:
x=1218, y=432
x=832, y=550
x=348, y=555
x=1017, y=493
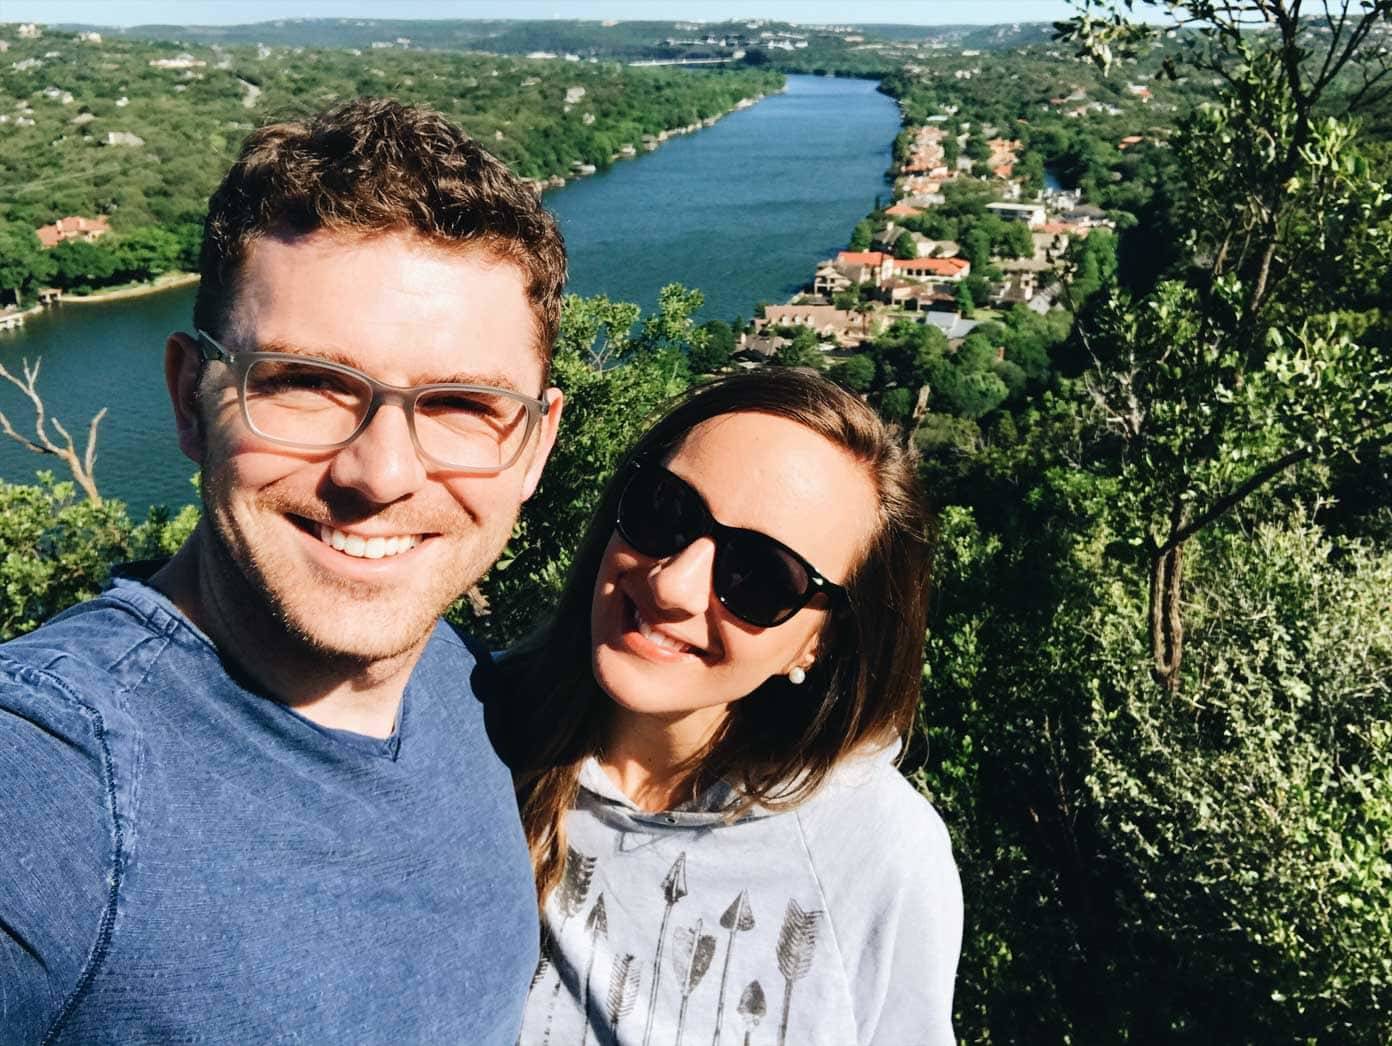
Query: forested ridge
x=140, y=132
x=1157, y=701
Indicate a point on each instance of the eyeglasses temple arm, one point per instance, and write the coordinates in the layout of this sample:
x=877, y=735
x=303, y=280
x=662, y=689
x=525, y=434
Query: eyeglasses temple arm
x=210, y=350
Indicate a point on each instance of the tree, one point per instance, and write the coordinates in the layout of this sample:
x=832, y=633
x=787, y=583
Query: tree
x=802, y=351
x=861, y=235
x=714, y=352
x=1188, y=375
x=966, y=304
x=146, y=252
x=1148, y=836
x=24, y=264
x=82, y=263
x=905, y=247
x=856, y=373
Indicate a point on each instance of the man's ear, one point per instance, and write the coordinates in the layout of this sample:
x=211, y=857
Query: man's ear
x=550, y=425
x=182, y=367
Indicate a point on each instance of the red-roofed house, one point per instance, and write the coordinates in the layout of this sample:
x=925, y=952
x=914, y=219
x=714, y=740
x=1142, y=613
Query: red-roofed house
x=952, y=269
x=902, y=210
x=865, y=266
x=73, y=228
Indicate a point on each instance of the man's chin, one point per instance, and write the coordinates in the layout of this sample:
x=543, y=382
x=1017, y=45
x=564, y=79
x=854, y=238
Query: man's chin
x=359, y=633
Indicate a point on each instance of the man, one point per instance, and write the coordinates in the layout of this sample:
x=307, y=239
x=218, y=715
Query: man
x=247, y=797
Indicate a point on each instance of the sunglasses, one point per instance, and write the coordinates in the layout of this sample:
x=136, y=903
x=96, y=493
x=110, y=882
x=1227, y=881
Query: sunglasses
x=757, y=579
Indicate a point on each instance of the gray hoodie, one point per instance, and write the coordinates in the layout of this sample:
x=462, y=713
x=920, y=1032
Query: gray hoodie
x=837, y=923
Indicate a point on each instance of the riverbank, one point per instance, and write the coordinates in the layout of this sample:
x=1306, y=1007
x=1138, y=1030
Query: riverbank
x=648, y=143
x=168, y=281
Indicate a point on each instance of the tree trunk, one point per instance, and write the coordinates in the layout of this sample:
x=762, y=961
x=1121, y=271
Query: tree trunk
x=1166, y=622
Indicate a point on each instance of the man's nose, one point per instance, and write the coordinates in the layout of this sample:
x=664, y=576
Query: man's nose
x=382, y=463
x=682, y=582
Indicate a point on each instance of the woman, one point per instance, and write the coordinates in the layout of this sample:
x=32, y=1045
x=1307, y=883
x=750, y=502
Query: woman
x=703, y=740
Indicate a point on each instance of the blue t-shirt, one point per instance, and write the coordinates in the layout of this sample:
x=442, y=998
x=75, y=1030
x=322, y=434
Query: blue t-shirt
x=183, y=859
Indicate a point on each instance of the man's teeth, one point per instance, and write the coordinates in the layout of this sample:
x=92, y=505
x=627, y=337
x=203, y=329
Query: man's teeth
x=657, y=638
x=367, y=548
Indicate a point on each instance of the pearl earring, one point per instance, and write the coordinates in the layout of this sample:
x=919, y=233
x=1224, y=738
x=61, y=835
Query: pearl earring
x=796, y=675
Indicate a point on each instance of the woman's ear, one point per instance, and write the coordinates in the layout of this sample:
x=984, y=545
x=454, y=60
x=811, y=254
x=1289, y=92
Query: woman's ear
x=182, y=367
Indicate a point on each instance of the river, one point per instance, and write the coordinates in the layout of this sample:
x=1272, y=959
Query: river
x=742, y=210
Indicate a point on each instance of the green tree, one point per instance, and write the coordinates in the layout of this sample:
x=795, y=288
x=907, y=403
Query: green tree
x=24, y=264
x=146, y=252
x=966, y=304
x=904, y=246
x=861, y=235
x=715, y=350
x=801, y=351
x=856, y=373
x=82, y=263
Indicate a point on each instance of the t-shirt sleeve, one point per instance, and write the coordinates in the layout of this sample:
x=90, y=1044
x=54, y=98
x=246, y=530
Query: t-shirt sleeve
x=896, y=905
x=58, y=867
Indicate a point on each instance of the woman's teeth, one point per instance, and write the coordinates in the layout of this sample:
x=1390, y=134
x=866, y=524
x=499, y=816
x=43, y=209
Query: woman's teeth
x=657, y=638
x=367, y=548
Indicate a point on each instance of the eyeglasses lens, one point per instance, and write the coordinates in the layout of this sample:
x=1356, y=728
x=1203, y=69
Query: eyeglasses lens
x=660, y=515
x=471, y=429
x=757, y=580
x=304, y=403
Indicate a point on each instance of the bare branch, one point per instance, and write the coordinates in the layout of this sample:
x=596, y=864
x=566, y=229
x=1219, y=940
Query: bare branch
x=80, y=466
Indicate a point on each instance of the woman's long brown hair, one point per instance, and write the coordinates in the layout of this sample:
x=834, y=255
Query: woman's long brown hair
x=779, y=743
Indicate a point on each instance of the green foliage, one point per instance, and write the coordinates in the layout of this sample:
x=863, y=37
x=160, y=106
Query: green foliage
x=861, y=235
x=57, y=548
x=716, y=347
x=856, y=373
x=24, y=264
x=802, y=351
x=904, y=246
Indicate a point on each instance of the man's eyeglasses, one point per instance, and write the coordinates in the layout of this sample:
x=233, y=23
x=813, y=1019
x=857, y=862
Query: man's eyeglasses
x=312, y=404
x=757, y=579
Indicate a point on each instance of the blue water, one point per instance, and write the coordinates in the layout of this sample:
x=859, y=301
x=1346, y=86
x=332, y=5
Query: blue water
x=742, y=210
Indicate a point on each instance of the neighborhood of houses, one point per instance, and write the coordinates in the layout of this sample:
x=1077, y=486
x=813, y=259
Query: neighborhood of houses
x=885, y=286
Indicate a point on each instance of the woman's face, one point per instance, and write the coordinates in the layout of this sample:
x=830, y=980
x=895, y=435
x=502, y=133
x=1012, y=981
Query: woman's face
x=664, y=645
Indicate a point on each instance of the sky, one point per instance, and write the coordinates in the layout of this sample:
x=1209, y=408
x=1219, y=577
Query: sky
x=229, y=12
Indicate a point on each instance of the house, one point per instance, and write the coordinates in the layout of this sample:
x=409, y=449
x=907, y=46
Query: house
x=1086, y=215
x=759, y=346
x=72, y=228
x=1032, y=214
x=829, y=280
x=865, y=266
x=902, y=210
x=1130, y=140
x=952, y=270
x=826, y=321
x=924, y=297
x=950, y=323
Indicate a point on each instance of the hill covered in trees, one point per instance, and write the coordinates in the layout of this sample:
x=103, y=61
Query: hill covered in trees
x=140, y=132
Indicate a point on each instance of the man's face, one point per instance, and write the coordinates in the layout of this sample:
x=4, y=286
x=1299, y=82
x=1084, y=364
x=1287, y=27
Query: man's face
x=406, y=313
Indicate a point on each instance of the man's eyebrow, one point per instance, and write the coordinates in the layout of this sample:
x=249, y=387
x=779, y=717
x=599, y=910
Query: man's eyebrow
x=492, y=379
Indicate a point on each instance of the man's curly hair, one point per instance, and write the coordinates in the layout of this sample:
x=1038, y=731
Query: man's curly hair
x=377, y=166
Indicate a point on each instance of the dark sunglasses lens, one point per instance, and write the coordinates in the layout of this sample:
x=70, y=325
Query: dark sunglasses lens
x=660, y=515
x=758, y=580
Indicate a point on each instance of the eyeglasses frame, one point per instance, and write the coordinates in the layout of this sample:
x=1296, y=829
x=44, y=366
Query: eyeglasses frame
x=404, y=396
x=817, y=581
